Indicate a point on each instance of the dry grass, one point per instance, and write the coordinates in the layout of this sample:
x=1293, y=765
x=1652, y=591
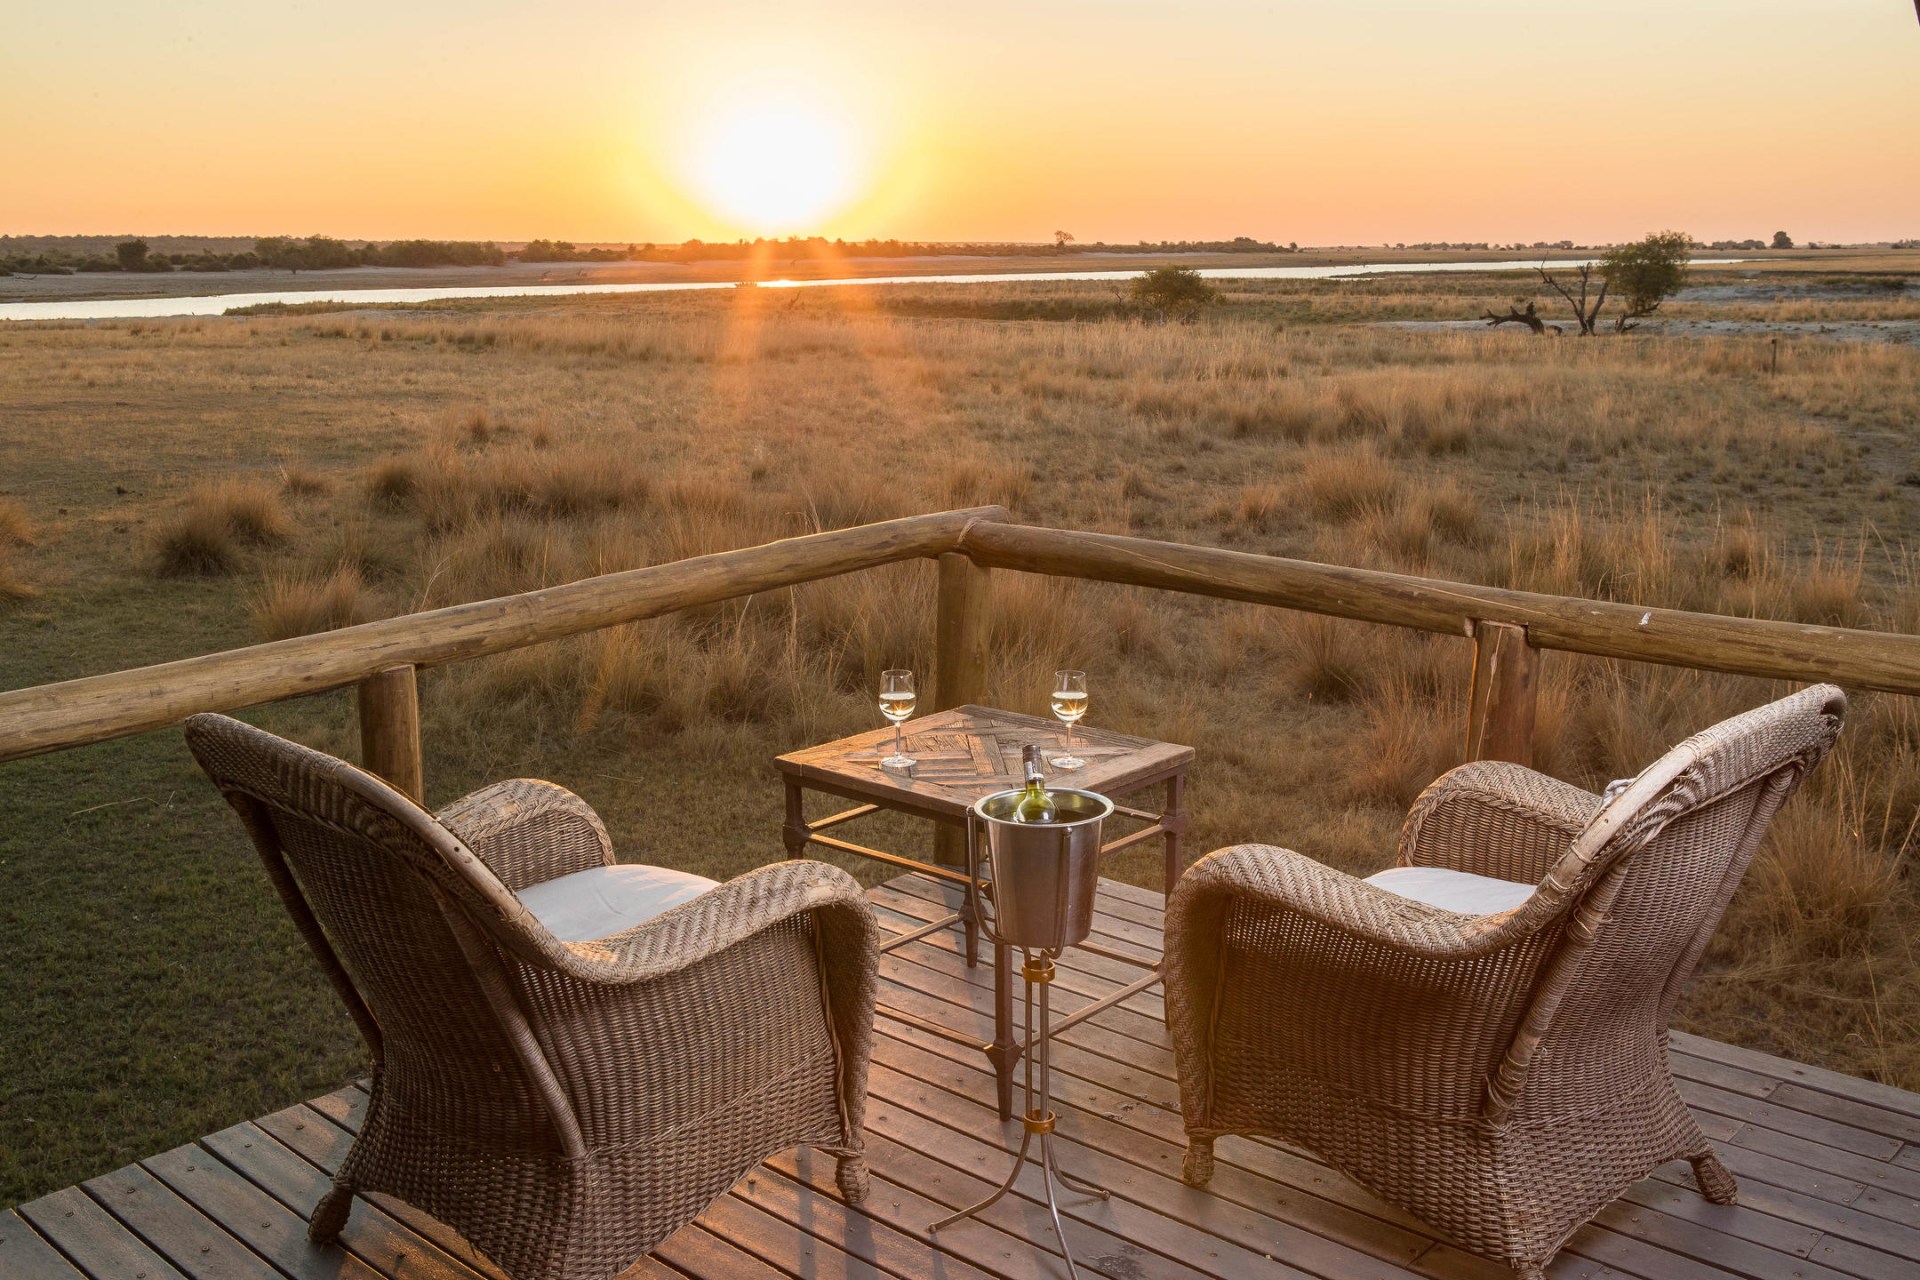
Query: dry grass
x=303, y=604
x=299, y=481
x=16, y=531
x=13, y=587
x=220, y=522
x=505, y=448
x=16, y=526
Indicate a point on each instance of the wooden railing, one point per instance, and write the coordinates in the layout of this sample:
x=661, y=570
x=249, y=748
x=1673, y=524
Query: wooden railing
x=1508, y=629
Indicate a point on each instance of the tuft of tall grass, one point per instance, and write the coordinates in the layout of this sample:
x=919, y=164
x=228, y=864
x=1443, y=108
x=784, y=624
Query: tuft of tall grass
x=1346, y=484
x=220, y=520
x=16, y=526
x=1835, y=857
x=975, y=482
x=1329, y=659
x=300, y=481
x=12, y=586
x=392, y=481
x=1403, y=747
x=302, y=604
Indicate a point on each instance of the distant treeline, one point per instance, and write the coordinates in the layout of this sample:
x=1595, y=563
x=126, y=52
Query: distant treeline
x=64, y=255
x=314, y=253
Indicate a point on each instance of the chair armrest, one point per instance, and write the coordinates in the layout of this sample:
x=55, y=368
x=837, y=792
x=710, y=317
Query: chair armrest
x=1284, y=880
x=527, y=831
x=1343, y=982
x=593, y=995
x=1495, y=819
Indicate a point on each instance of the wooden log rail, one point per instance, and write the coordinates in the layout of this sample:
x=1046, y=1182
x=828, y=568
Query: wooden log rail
x=95, y=708
x=1508, y=628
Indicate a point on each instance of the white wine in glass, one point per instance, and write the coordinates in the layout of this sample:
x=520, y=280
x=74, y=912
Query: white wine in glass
x=896, y=704
x=1069, y=699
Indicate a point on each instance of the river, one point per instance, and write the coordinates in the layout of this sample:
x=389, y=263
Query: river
x=219, y=304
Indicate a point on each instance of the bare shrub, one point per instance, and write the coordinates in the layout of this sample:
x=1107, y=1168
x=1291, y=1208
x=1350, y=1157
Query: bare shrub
x=302, y=604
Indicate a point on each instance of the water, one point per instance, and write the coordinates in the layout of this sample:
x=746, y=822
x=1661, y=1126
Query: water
x=218, y=304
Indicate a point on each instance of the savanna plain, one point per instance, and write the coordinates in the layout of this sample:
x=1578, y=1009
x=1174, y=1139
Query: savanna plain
x=170, y=488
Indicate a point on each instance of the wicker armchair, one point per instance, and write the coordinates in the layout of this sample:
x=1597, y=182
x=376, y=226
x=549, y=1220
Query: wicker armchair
x=564, y=1105
x=1502, y=1076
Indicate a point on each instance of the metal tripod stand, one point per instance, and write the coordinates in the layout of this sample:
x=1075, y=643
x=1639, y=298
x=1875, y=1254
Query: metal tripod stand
x=1036, y=969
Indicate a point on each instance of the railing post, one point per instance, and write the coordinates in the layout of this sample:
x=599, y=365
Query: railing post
x=390, y=730
x=959, y=661
x=1500, y=706
x=960, y=632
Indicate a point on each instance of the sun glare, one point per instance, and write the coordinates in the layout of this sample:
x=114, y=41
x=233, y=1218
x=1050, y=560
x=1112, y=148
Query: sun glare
x=775, y=165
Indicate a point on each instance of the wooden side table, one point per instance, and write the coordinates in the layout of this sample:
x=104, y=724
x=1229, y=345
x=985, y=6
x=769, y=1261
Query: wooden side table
x=962, y=754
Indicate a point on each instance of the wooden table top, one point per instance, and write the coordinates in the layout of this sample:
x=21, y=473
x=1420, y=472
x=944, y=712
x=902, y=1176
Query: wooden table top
x=967, y=752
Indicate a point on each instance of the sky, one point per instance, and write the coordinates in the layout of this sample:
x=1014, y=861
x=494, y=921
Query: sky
x=1323, y=123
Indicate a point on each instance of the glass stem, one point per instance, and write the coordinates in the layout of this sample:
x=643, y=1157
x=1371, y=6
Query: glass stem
x=899, y=740
x=1069, y=739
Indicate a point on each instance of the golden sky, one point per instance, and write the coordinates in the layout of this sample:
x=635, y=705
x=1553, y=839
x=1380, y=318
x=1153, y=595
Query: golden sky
x=1332, y=122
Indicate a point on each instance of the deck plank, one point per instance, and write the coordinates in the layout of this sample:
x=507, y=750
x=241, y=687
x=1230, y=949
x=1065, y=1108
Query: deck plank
x=175, y=1227
x=249, y=1214
x=384, y=1244
x=93, y=1240
x=1829, y=1169
x=25, y=1255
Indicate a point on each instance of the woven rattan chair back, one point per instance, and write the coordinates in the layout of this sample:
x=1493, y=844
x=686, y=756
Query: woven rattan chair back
x=1647, y=883
x=385, y=895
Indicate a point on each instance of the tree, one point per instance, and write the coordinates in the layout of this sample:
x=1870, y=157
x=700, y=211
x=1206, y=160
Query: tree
x=1781, y=240
x=1173, y=291
x=1646, y=273
x=1583, y=315
x=1643, y=274
x=1061, y=239
x=132, y=255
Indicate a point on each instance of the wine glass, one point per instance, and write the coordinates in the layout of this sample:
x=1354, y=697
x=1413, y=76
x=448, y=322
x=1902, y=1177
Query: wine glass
x=1069, y=704
x=896, y=704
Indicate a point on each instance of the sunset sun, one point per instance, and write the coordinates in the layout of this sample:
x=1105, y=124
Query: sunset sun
x=775, y=164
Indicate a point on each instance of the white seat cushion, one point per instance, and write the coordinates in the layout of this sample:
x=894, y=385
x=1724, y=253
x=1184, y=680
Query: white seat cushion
x=608, y=900
x=1460, y=891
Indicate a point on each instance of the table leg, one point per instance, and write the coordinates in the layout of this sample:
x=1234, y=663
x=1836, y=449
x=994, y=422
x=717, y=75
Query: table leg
x=970, y=922
x=950, y=849
x=794, y=833
x=1174, y=819
x=1003, y=1052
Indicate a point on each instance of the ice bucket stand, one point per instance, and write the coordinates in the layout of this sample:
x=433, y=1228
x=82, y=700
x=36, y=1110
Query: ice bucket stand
x=1044, y=877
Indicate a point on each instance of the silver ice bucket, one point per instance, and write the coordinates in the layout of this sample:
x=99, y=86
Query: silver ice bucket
x=1043, y=873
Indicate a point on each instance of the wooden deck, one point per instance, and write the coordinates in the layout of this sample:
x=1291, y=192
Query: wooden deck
x=1829, y=1169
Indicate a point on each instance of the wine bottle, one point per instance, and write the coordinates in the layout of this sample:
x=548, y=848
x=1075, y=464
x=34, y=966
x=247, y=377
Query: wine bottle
x=1035, y=804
